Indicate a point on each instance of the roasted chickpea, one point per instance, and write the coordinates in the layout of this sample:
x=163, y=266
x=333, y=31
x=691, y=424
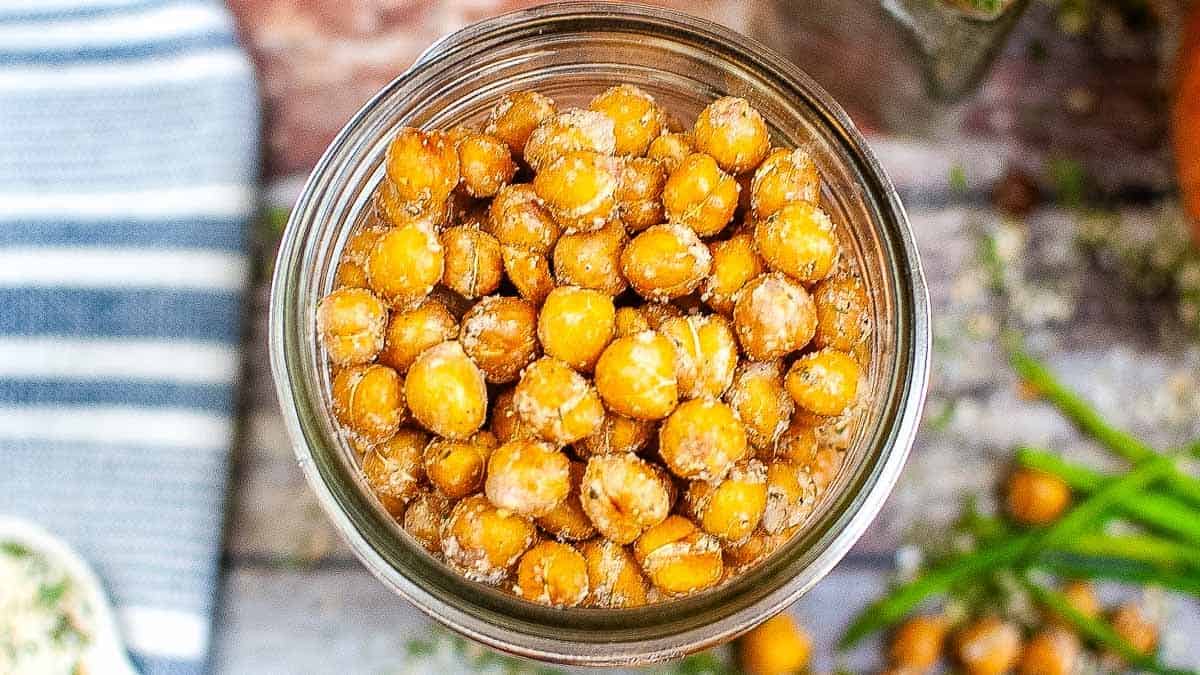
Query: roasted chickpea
x=1082, y=597
x=1035, y=497
x=798, y=443
x=498, y=333
x=516, y=218
x=670, y=149
x=842, y=320
x=351, y=324
x=446, y=391
x=733, y=133
x=473, y=266
x=405, y=264
x=639, y=194
x=569, y=131
x=656, y=313
x=1132, y=625
x=665, y=262
x=567, y=521
x=617, y=433
x=557, y=402
x=424, y=517
x=636, y=117
x=629, y=321
x=483, y=542
x=698, y=194
x=785, y=176
x=554, y=574
x=506, y=421
x=731, y=509
x=702, y=439
x=761, y=402
x=823, y=467
x=636, y=376
x=623, y=495
x=734, y=264
x=824, y=382
x=515, y=117
x=1052, y=651
x=706, y=354
x=454, y=303
x=799, y=241
x=778, y=646
x=614, y=579
x=742, y=555
x=918, y=643
x=423, y=168
x=456, y=467
x=351, y=271
x=773, y=316
x=580, y=189
x=679, y=558
x=369, y=401
x=575, y=325
x=989, y=646
x=791, y=497
x=485, y=164
x=393, y=468
x=412, y=332
x=592, y=259
x=527, y=476
x=529, y=272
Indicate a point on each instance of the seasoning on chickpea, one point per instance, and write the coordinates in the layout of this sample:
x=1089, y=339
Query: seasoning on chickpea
x=351, y=324
x=580, y=189
x=791, y=497
x=446, y=391
x=636, y=117
x=1035, y=497
x=698, y=194
x=527, y=476
x=592, y=259
x=778, y=646
x=635, y=376
x=515, y=117
x=785, y=176
x=734, y=264
x=506, y=421
x=424, y=517
x=499, y=334
x=842, y=321
x=761, y=402
x=351, y=270
x=567, y=521
x=629, y=321
x=657, y=313
x=575, y=325
x=485, y=164
x=702, y=439
x=473, y=266
x=670, y=149
x=918, y=643
x=732, y=508
x=733, y=133
x=706, y=354
x=989, y=646
x=623, y=495
x=484, y=542
x=369, y=401
x=614, y=580
x=412, y=332
x=516, y=218
x=798, y=442
x=617, y=433
x=556, y=402
x=799, y=241
x=1052, y=651
x=639, y=193
x=823, y=466
x=394, y=467
x=405, y=264
x=552, y=573
x=529, y=272
x=678, y=557
x=569, y=131
x=456, y=467
x=773, y=316
x=824, y=382
x=423, y=168
x=665, y=262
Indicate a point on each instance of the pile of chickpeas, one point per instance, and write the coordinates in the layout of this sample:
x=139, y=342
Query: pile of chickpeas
x=592, y=357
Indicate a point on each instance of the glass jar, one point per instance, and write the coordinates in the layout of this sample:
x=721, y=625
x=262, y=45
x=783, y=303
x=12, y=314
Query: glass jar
x=571, y=52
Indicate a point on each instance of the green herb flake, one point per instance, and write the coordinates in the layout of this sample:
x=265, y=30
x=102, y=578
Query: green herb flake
x=12, y=548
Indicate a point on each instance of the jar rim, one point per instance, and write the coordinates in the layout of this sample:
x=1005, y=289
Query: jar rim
x=857, y=508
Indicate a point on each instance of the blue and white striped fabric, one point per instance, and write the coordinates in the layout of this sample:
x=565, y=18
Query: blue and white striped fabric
x=128, y=161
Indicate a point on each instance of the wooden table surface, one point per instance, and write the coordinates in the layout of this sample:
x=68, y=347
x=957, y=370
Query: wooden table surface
x=294, y=600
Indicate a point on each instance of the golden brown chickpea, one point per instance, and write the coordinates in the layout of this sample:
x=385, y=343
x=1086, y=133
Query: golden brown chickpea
x=761, y=402
x=351, y=271
x=670, y=149
x=639, y=194
x=552, y=573
x=568, y=521
x=656, y=313
x=623, y=495
x=785, y=176
x=773, y=316
x=369, y=401
x=575, y=325
x=350, y=275
x=412, y=332
x=1132, y=625
x=473, y=266
x=824, y=382
x=506, y=422
x=706, y=354
x=702, y=439
x=456, y=467
x=592, y=259
x=614, y=579
x=424, y=517
x=484, y=542
x=516, y=218
x=1052, y=651
x=629, y=321
x=733, y=133
x=731, y=509
x=989, y=646
x=569, y=131
x=823, y=467
x=734, y=264
x=1082, y=597
x=679, y=558
x=798, y=443
x=446, y=391
x=423, y=168
x=1035, y=497
x=791, y=497
x=556, y=402
x=485, y=164
x=636, y=376
x=698, y=194
x=616, y=434
x=499, y=336
x=527, y=476
x=515, y=117
x=394, y=468
x=351, y=324
x=842, y=321
x=798, y=240
x=665, y=262
x=636, y=117
x=778, y=646
x=740, y=556
x=918, y=643
x=454, y=303
x=405, y=264
x=529, y=273
x=580, y=189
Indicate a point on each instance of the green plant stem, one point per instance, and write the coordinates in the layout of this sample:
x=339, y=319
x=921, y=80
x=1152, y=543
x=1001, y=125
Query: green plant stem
x=1072, y=566
x=1144, y=548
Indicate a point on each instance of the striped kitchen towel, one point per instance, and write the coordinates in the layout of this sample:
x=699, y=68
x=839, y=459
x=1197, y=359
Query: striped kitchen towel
x=128, y=161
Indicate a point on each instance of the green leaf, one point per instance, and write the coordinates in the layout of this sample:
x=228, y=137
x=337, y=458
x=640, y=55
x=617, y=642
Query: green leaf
x=15, y=550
